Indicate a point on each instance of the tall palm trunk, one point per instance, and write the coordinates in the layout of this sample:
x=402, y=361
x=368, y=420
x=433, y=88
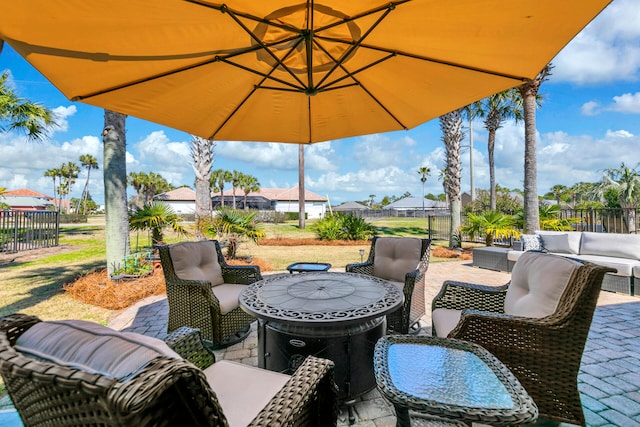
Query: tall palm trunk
x=202, y=156
x=115, y=189
x=451, y=126
x=529, y=92
x=493, y=123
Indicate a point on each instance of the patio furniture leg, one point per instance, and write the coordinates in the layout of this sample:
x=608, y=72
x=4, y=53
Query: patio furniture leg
x=402, y=416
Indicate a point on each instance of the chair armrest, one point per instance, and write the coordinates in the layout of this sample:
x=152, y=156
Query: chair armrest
x=241, y=274
x=460, y=295
x=310, y=394
x=362, y=268
x=14, y=325
x=188, y=344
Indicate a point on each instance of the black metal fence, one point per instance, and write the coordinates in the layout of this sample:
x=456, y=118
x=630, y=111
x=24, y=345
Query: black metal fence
x=23, y=230
x=438, y=222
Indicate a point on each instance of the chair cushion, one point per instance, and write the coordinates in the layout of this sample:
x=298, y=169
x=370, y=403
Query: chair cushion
x=91, y=347
x=196, y=261
x=611, y=245
x=228, y=294
x=395, y=257
x=240, y=401
x=445, y=320
x=537, y=283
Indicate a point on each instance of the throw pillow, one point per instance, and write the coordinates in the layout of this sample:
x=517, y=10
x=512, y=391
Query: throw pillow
x=531, y=242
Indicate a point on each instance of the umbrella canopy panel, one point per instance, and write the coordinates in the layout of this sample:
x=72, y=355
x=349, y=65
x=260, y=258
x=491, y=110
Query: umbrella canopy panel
x=290, y=71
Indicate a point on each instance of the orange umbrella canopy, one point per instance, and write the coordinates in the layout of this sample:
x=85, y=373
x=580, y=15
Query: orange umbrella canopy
x=289, y=71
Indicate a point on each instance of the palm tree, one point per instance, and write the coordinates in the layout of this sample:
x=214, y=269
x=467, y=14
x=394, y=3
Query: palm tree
x=625, y=182
x=70, y=173
x=371, y=200
x=492, y=224
x=18, y=114
x=236, y=177
x=156, y=217
x=234, y=226
x=452, y=135
x=249, y=184
x=202, y=156
x=115, y=189
x=136, y=180
x=530, y=101
x=424, y=172
x=89, y=162
x=217, y=180
x=559, y=191
x=497, y=108
x=54, y=174
x=472, y=110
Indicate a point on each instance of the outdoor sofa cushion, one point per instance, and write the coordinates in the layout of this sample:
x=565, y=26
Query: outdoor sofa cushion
x=531, y=242
x=558, y=241
x=91, y=347
x=537, y=283
x=395, y=257
x=610, y=245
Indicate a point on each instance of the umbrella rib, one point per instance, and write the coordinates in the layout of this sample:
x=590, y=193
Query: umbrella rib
x=347, y=53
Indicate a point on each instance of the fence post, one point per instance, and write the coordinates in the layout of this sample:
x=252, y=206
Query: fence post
x=429, y=225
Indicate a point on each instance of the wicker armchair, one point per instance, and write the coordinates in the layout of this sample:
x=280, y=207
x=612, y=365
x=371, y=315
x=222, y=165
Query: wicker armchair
x=202, y=291
x=403, y=261
x=542, y=344
x=163, y=391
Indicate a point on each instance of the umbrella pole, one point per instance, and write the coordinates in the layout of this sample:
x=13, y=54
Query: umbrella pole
x=301, y=201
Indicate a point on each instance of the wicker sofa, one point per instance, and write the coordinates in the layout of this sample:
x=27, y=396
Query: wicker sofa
x=619, y=251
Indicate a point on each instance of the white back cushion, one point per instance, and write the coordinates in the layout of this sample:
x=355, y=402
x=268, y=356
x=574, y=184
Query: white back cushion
x=395, y=257
x=537, y=283
x=611, y=245
x=565, y=242
x=196, y=261
x=91, y=347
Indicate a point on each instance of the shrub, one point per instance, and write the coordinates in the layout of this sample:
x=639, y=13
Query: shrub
x=341, y=226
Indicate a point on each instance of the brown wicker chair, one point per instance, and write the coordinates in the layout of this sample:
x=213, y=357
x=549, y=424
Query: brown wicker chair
x=163, y=391
x=403, y=261
x=543, y=350
x=202, y=291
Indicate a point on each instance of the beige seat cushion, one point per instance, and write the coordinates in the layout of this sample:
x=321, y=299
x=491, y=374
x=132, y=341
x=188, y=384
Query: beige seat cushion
x=196, y=261
x=537, y=283
x=445, y=320
x=91, y=347
x=228, y=294
x=395, y=257
x=243, y=391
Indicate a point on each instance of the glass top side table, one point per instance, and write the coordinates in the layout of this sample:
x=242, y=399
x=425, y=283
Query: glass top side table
x=451, y=379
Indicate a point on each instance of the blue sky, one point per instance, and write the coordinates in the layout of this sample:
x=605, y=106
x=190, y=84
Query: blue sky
x=590, y=120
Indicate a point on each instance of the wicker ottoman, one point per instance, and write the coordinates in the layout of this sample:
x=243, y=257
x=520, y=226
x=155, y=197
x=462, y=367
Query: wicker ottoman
x=492, y=258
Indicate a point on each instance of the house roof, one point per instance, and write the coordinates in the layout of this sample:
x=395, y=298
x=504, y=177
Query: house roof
x=182, y=194
x=24, y=201
x=278, y=194
x=416, y=203
x=350, y=206
x=25, y=192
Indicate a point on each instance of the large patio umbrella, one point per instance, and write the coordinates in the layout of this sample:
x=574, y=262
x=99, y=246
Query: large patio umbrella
x=289, y=71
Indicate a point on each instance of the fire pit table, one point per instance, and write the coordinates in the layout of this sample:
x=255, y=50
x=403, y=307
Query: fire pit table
x=338, y=316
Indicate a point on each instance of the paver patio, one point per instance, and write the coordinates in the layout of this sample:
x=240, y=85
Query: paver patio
x=609, y=379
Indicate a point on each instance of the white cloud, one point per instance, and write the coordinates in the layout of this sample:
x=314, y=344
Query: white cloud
x=62, y=113
x=606, y=50
x=590, y=108
x=627, y=103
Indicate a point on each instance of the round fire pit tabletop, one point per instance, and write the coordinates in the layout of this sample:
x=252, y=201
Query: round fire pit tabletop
x=321, y=298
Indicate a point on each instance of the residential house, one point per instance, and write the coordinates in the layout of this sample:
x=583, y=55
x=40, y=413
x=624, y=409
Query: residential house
x=25, y=199
x=182, y=200
x=278, y=199
x=417, y=204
